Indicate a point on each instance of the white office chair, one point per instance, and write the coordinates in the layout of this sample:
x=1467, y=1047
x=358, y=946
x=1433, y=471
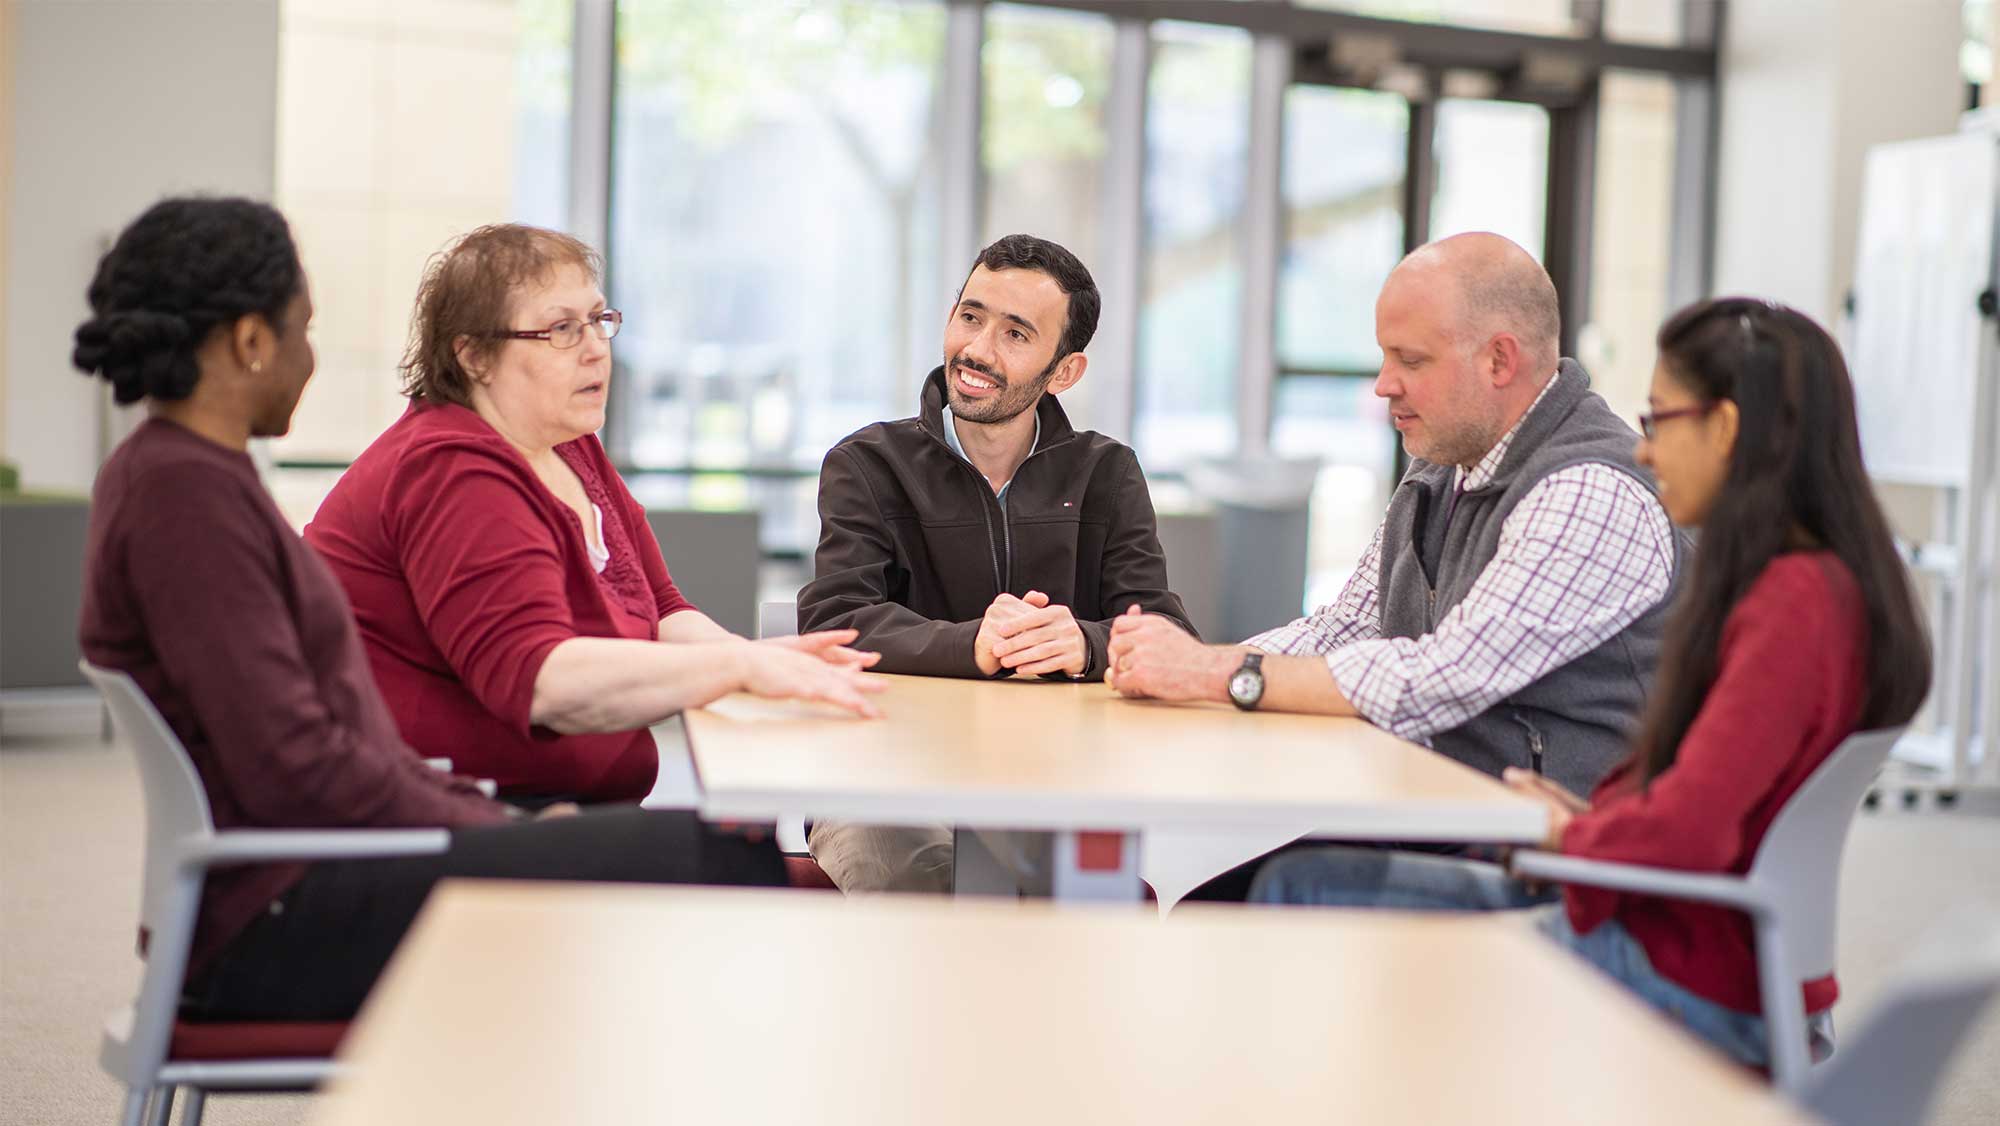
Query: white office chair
x=1790, y=893
x=145, y=1047
x=1889, y=1071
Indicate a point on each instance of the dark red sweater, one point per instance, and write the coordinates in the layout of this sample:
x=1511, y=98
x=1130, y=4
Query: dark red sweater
x=196, y=586
x=465, y=571
x=1790, y=685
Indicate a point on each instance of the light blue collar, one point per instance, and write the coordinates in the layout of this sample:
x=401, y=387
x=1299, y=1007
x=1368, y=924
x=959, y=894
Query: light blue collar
x=957, y=447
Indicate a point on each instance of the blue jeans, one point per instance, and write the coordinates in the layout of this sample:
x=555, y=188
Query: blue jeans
x=1385, y=878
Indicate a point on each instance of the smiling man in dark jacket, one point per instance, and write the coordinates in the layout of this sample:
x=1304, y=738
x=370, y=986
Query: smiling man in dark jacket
x=986, y=536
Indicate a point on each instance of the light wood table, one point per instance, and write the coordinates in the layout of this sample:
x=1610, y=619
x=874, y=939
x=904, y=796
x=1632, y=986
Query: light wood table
x=520, y=1003
x=1097, y=770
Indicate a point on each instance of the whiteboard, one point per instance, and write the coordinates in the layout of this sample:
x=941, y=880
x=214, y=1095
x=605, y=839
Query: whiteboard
x=1927, y=252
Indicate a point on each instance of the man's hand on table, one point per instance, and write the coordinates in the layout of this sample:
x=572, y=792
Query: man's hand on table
x=1152, y=657
x=1031, y=637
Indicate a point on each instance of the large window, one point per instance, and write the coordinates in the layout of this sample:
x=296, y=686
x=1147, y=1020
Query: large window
x=398, y=128
x=773, y=219
x=1045, y=75
x=1190, y=321
x=1344, y=159
x=372, y=185
x=1492, y=170
x=1630, y=248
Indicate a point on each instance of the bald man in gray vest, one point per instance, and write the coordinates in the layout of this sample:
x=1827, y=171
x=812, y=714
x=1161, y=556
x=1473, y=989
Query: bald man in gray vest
x=1509, y=611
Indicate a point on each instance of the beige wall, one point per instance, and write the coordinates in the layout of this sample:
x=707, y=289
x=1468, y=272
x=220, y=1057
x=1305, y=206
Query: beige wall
x=1806, y=89
x=116, y=103
x=6, y=181
x=395, y=133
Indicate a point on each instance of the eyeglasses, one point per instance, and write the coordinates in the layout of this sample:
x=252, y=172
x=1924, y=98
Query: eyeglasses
x=568, y=332
x=1649, y=422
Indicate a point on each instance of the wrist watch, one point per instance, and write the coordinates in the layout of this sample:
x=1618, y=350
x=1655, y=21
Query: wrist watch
x=1246, y=684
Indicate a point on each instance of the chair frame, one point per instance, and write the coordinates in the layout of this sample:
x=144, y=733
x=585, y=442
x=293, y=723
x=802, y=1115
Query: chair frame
x=1790, y=893
x=182, y=844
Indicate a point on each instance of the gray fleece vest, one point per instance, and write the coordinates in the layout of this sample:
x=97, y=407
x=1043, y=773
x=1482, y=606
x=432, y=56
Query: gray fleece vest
x=1576, y=722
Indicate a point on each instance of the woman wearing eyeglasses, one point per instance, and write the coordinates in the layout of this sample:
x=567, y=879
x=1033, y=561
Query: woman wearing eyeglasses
x=1796, y=628
x=508, y=588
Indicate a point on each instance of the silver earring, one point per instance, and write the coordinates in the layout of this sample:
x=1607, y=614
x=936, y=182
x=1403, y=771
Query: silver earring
x=256, y=365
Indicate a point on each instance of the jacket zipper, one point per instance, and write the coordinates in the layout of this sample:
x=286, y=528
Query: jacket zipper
x=1007, y=518
x=1002, y=583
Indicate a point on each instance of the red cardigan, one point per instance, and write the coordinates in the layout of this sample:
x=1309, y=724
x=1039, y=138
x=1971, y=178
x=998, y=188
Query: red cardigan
x=198, y=588
x=1790, y=686
x=465, y=571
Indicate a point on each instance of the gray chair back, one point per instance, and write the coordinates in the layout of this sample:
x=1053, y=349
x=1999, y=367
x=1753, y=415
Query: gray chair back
x=1889, y=1070
x=1798, y=864
x=176, y=812
x=778, y=619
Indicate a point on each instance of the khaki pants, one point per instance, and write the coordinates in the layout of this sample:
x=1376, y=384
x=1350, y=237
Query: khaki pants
x=862, y=859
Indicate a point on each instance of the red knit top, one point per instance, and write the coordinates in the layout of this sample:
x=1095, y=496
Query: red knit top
x=1790, y=686
x=464, y=571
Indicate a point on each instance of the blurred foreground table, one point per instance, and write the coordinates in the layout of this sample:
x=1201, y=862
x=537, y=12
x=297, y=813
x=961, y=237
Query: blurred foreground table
x=544, y=1003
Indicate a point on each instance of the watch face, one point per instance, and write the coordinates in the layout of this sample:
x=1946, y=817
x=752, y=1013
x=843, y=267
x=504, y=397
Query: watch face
x=1243, y=686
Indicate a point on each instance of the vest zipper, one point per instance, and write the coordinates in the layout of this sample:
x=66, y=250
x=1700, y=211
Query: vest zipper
x=1535, y=744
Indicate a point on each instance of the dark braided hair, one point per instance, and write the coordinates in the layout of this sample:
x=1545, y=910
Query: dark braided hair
x=178, y=272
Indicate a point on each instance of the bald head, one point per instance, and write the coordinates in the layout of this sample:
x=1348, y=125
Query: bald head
x=1469, y=336
x=1498, y=287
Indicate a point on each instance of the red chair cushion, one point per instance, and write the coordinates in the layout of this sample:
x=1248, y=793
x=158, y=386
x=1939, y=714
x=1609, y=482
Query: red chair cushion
x=255, y=1040
x=804, y=872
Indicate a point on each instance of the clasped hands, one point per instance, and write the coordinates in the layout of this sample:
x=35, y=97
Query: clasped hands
x=1031, y=637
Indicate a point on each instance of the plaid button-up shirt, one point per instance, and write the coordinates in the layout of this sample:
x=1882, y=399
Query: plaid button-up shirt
x=1585, y=553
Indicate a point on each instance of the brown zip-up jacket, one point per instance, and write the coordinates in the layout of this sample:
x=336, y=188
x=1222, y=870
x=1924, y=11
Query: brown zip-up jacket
x=913, y=546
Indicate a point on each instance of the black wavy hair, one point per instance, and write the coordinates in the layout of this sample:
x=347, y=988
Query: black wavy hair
x=1026, y=252
x=1796, y=468
x=180, y=270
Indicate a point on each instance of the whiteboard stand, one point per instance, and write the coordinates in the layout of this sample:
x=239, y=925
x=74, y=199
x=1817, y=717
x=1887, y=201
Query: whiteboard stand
x=1926, y=363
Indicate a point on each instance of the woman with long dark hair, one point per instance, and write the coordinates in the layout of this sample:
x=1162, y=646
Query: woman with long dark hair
x=1796, y=628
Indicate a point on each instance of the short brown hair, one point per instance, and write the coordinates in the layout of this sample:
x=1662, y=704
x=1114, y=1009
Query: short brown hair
x=468, y=291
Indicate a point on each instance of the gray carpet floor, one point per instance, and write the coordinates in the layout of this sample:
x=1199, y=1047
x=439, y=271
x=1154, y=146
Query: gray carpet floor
x=70, y=832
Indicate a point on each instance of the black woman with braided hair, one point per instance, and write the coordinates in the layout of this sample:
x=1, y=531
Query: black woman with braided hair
x=197, y=588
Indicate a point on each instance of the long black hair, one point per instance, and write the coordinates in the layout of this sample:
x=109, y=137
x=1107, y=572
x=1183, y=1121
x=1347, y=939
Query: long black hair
x=180, y=270
x=1796, y=468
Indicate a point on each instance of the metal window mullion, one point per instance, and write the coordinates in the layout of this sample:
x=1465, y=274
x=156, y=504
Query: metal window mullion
x=1263, y=243
x=1572, y=191
x=593, y=54
x=593, y=49
x=962, y=177
x=1419, y=192
x=1121, y=277
x=1697, y=132
x=1419, y=172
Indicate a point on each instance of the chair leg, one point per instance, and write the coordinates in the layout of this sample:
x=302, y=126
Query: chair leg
x=162, y=1106
x=135, y=1107
x=191, y=1113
